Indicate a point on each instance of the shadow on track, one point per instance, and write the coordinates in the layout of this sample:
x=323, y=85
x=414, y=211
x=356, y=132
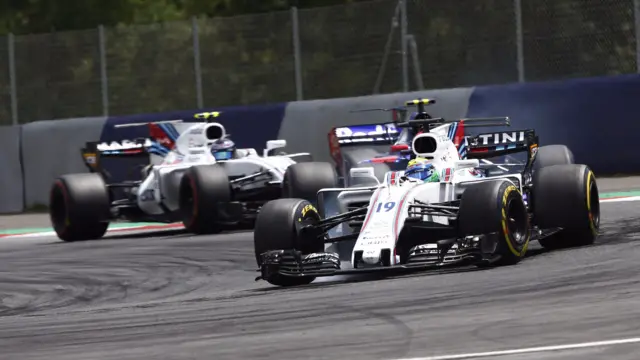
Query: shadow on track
x=608, y=236
x=159, y=235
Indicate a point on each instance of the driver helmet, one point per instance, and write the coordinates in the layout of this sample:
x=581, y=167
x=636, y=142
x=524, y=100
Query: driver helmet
x=422, y=169
x=223, y=149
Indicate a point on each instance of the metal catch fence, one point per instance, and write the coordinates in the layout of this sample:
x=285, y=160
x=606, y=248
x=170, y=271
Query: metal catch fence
x=356, y=49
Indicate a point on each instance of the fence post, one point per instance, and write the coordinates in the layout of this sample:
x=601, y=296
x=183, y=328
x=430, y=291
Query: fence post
x=517, y=5
x=196, y=61
x=403, y=44
x=297, y=62
x=104, y=80
x=417, y=70
x=12, y=78
x=636, y=17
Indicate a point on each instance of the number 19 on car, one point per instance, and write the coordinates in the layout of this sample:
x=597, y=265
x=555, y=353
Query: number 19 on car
x=388, y=206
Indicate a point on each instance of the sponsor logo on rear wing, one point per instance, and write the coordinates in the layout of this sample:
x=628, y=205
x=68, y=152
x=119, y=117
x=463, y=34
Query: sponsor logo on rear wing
x=124, y=147
x=371, y=134
x=94, y=150
x=500, y=143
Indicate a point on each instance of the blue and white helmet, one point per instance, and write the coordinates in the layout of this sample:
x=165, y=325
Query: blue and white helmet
x=223, y=149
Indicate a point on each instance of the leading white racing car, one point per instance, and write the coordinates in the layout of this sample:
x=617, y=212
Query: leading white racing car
x=480, y=211
x=185, y=184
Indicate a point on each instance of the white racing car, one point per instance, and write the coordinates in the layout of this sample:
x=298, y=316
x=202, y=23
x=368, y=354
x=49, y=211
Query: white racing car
x=479, y=211
x=186, y=183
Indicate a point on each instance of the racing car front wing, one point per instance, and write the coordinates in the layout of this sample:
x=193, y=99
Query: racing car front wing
x=292, y=263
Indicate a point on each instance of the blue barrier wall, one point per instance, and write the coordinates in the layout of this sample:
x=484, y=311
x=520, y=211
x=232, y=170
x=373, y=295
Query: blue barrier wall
x=597, y=118
x=249, y=126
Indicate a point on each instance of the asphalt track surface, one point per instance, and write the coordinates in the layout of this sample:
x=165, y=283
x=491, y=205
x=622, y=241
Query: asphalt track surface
x=171, y=295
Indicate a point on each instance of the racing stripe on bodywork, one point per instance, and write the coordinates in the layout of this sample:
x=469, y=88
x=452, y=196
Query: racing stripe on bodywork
x=163, y=139
x=158, y=149
x=171, y=131
x=451, y=131
x=366, y=220
x=397, y=216
x=460, y=140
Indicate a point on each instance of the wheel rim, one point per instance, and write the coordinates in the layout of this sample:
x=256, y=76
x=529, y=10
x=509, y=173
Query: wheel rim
x=306, y=245
x=517, y=220
x=594, y=206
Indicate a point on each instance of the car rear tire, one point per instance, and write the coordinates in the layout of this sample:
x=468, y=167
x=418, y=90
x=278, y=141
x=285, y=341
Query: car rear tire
x=496, y=209
x=550, y=155
x=566, y=196
x=304, y=180
x=79, y=207
x=204, y=191
x=278, y=228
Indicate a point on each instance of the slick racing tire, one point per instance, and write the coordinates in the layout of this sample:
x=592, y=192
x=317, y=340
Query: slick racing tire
x=79, y=207
x=278, y=228
x=566, y=196
x=550, y=155
x=496, y=209
x=304, y=180
x=204, y=191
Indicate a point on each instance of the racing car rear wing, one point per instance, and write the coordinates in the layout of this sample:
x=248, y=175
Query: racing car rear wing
x=428, y=124
x=488, y=145
x=371, y=134
x=94, y=151
x=139, y=147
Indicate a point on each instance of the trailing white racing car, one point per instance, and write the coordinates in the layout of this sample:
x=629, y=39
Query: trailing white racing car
x=203, y=181
x=478, y=211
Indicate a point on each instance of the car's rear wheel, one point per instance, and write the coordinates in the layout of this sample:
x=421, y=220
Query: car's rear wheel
x=204, y=191
x=567, y=197
x=79, y=207
x=550, y=155
x=304, y=180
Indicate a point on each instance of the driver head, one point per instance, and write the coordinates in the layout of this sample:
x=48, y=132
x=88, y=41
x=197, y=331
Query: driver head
x=223, y=149
x=422, y=169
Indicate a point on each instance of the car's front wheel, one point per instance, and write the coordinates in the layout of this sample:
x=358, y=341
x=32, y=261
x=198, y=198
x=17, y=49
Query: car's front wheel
x=278, y=227
x=496, y=209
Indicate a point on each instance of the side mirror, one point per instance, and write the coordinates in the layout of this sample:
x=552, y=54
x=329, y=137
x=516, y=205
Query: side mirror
x=363, y=173
x=274, y=144
x=465, y=164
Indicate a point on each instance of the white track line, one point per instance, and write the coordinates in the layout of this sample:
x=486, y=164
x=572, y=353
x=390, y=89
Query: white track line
x=630, y=198
x=109, y=232
x=530, y=350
